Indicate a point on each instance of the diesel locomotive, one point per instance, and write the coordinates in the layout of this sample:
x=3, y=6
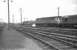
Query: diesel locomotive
x=69, y=21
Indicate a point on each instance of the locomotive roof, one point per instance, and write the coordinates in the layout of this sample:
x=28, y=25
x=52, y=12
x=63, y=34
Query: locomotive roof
x=48, y=18
x=71, y=16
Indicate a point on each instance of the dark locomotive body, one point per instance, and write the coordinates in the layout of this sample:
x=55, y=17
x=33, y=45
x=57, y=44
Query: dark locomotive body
x=66, y=21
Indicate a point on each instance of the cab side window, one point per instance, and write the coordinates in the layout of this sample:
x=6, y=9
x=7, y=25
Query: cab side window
x=65, y=19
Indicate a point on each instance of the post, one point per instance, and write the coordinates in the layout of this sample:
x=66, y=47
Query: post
x=58, y=19
x=58, y=11
x=13, y=18
x=8, y=15
x=8, y=4
x=21, y=14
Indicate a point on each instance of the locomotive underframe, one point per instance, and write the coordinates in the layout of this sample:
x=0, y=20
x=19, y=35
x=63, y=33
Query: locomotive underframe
x=63, y=25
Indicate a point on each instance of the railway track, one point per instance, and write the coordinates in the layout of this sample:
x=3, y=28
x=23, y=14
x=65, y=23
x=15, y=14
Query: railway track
x=53, y=32
x=47, y=41
x=60, y=31
x=47, y=45
x=55, y=41
x=64, y=39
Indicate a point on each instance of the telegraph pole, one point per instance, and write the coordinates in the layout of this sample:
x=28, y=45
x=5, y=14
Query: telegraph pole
x=8, y=14
x=8, y=4
x=13, y=18
x=58, y=12
x=21, y=14
x=58, y=15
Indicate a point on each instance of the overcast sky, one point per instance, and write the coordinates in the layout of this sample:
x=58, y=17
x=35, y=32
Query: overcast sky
x=33, y=9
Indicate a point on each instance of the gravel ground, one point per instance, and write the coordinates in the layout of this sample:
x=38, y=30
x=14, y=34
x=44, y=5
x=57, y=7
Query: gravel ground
x=13, y=40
